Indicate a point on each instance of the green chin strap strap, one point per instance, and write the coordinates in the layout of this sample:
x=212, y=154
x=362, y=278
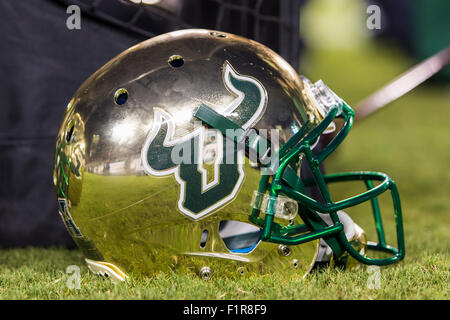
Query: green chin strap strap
x=285, y=181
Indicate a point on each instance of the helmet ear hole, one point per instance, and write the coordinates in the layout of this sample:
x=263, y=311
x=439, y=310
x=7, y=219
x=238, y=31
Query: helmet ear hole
x=239, y=237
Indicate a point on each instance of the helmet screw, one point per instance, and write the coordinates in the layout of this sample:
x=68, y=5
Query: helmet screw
x=241, y=271
x=295, y=263
x=284, y=250
x=205, y=273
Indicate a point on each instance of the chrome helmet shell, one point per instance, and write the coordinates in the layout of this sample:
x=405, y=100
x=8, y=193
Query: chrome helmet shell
x=149, y=179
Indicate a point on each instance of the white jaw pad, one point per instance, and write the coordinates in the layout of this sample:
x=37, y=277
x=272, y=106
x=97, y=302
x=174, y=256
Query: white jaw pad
x=106, y=270
x=349, y=225
x=350, y=229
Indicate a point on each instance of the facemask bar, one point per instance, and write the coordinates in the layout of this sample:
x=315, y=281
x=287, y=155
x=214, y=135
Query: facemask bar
x=283, y=183
x=286, y=181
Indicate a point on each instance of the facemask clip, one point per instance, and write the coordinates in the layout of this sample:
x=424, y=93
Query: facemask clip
x=284, y=207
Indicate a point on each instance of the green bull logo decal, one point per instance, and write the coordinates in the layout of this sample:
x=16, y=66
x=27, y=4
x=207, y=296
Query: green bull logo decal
x=184, y=157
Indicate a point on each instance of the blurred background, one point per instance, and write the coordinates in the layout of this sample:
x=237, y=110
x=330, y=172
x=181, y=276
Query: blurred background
x=44, y=62
x=409, y=139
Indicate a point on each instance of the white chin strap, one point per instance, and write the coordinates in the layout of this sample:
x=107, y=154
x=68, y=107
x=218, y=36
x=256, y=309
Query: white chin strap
x=325, y=253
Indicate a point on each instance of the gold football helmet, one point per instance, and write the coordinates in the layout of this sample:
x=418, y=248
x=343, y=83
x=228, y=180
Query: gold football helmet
x=185, y=153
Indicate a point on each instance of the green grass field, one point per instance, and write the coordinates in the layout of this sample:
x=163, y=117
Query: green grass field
x=409, y=140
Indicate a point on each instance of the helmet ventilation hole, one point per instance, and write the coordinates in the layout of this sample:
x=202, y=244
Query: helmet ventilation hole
x=217, y=34
x=204, y=239
x=176, y=61
x=69, y=133
x=121, y=96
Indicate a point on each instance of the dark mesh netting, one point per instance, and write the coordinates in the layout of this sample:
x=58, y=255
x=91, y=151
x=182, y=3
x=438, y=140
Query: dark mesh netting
x=274, y=23
x=46, y=62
